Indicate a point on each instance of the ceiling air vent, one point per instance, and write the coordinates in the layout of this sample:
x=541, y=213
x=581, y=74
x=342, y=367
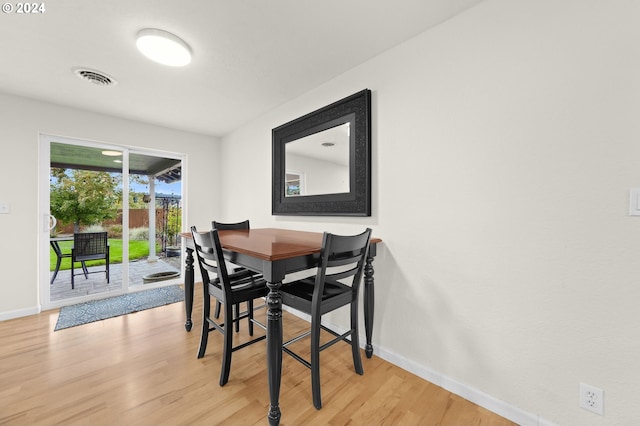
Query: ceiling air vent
x=95, y=77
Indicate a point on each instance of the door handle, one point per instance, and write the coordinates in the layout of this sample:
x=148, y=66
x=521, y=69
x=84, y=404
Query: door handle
x=50, y=222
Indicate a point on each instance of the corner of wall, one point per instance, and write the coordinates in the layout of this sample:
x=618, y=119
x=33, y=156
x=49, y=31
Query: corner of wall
x=20, y=313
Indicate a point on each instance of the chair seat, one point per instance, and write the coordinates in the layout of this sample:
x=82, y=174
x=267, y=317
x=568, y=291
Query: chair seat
x=81, y=258
x=247, y=288
x=299, y=294
x=239, y=274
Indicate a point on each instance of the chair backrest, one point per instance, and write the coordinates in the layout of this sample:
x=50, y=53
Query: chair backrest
x=229, y=226
x=211, y=260
x=342, y=257
x=90, y=243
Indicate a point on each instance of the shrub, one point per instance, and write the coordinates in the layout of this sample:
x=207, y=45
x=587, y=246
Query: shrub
x=114, y=231
x=139, y=234
x=93, y=228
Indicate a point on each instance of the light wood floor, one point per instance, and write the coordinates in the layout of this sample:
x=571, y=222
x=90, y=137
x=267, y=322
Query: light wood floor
x=141, y=369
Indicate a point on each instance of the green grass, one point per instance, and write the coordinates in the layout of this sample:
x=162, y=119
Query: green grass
x=137, y=249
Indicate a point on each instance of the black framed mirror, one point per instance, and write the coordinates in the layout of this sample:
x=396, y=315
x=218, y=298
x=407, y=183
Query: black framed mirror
x=322, y=161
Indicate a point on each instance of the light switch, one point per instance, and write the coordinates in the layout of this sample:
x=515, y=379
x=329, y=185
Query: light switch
x=634, y=202
x=5, y=208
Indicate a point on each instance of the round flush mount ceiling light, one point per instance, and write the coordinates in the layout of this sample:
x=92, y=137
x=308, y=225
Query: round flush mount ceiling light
x=163, y=47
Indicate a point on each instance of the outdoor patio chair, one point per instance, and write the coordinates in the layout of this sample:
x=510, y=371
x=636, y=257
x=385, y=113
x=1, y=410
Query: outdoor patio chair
x=89, y=246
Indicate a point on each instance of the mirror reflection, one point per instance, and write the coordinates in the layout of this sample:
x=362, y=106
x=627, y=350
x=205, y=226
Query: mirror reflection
x=318, y=163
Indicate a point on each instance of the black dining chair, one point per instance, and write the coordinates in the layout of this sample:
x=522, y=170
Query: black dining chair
x=217, y=283
x=89, y=246
x=342, y=258
x=238, y=272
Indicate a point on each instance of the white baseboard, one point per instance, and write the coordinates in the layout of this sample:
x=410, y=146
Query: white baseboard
x=19, y=313
x=467, y=392
x=502, y=408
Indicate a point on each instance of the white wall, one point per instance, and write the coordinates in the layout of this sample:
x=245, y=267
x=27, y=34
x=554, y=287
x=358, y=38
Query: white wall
x=505, y=142
x=510, y=268
x=320, y=176
x=22, y=121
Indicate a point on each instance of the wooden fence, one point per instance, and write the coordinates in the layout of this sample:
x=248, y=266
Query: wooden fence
x=138, y=218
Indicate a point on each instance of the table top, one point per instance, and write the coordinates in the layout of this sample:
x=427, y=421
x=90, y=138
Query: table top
x=54, y=239
x=272, y=243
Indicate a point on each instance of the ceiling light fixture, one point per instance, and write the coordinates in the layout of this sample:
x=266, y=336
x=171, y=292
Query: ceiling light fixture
x=163, y=47
x=111, y=153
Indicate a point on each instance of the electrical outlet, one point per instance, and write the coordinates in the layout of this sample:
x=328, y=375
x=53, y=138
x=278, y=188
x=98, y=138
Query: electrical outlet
x=592, y=398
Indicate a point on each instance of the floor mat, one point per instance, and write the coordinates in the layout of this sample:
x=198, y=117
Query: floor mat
x=97, y=310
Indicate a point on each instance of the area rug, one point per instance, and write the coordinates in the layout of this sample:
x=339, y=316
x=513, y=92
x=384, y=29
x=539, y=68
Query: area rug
x=96, y=310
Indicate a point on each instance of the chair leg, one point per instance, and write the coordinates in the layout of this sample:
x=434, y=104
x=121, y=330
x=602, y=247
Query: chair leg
x=250, y=313
x=355, y=339
x=315, y=361
x=204, y=337
x=85, y=270
x=227, y=347
x=73, y=275
x=236, y=314
x=107, y=269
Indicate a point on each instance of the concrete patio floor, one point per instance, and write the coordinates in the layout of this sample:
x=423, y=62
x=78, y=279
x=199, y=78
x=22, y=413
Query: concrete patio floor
x=97, y=283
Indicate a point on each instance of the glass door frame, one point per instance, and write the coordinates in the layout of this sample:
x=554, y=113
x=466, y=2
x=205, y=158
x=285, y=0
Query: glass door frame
x=44, y=145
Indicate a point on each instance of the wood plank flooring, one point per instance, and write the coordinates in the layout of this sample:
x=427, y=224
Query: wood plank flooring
x=141, y=369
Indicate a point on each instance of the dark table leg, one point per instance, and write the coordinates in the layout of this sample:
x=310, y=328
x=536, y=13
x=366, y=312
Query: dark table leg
x=369, y=301
x=188, y=288
x=55, y=273
x=274, y=349
x=56, y=249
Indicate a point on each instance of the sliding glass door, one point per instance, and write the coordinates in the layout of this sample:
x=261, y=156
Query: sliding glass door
x=155, y=219
x=86, y=187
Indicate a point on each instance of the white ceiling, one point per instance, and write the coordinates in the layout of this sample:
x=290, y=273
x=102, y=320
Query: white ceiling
x=249, y=56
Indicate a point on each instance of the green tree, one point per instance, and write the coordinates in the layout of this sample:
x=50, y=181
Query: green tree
x=83, y=197
x=136, y=199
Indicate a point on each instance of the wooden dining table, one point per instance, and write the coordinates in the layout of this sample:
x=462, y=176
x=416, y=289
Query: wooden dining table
x=275, y=253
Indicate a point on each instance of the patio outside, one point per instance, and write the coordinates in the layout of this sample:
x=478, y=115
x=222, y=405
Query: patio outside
x=97, y=283
x=142, y=268
x=87, y=193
